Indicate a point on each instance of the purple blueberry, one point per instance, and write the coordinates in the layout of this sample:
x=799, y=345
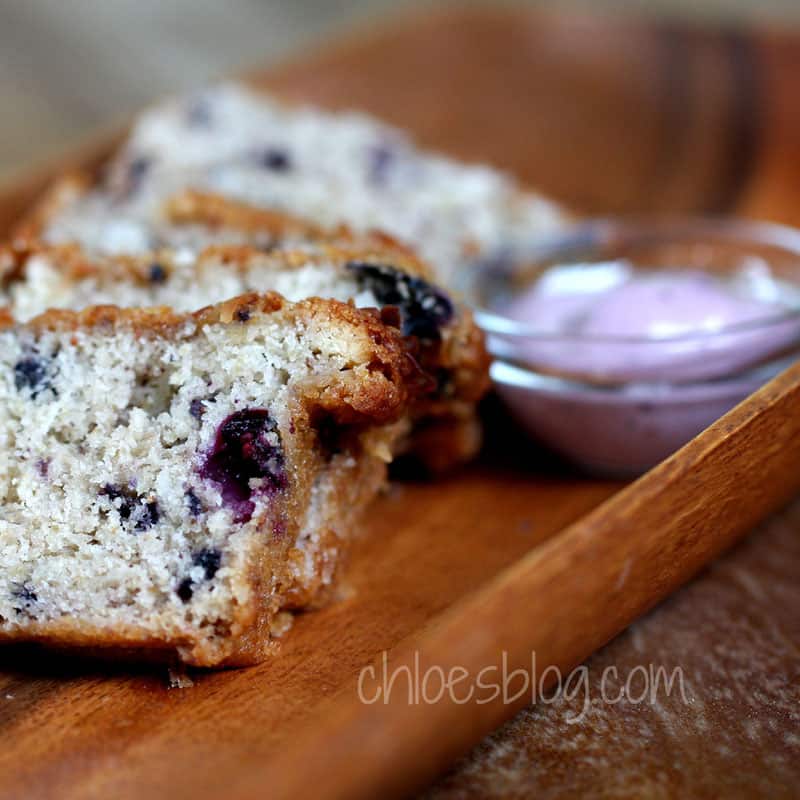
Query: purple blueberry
x=137, y=169
x=381, y=157
x=194, y=503
x=424, y=309
x=197, y=408
x=24, y=596
x=31, y=374
x=198, y=405
x=157, y=274
x=247, y=448
x=131, y=179
x=210, y=559
x=147, y=516
x=135, y=512
x=198, y=112
x=185, y=590
x=275, y=159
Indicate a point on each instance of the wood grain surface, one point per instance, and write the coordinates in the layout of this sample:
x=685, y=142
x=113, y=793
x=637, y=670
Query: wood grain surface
x=728, y=730
x=605, y=116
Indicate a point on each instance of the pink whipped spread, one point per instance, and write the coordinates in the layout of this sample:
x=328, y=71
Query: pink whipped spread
x=613, y=323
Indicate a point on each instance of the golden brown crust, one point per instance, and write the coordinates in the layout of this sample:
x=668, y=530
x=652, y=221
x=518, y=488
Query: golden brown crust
x=354, y=482
x=392, y=375
x=191, y=207
x=338, y=250
x=447, y=431
x=216, y=211
x=75, y=264
x=65, y=191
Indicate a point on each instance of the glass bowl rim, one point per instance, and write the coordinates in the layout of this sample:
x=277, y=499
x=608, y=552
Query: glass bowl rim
x=523, y=376
x=605, y=231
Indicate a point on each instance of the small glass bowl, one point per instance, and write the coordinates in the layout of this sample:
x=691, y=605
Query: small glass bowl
x=619, y=404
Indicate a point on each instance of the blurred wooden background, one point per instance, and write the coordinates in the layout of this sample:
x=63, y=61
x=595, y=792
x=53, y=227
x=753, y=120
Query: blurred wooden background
x=68, y=68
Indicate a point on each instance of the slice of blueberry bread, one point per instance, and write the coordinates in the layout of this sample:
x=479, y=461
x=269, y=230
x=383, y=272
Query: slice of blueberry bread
x=368, y=273
x=173, y=482
x=329, y=168
x=189, y=220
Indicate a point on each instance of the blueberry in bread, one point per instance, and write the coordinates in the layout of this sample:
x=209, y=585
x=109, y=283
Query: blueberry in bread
x=369, y=272
x=311, y=170
x=174, y=482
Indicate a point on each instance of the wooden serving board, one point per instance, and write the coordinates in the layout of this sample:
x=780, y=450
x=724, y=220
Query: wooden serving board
x=515, y=554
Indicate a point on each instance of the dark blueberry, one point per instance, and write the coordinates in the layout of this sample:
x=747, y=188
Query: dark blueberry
x=209, y=558
x=247, y=447
x=147, y=515
x=425, y=320
x=114, y=493
x=135, y=172
x=198, y=112
x=139, y=167
x=185, y=589
x=197, y=408
x=157, y=273
x=24, y=596
x=242, y=314
x=194, y=503
x=381, y=157
x=137, y=512
x=424, y=309
x=31, y=373
x=275, y=159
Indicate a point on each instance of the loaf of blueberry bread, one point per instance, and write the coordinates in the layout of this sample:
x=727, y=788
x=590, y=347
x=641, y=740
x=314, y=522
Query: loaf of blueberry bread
x=368, y=273
x=175, y=482
x=191, y=159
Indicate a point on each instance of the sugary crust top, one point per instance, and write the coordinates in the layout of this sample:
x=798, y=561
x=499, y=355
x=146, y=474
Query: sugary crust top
x=395, y=377
x=75, y=264
x=58, y=196
x=217, y=211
